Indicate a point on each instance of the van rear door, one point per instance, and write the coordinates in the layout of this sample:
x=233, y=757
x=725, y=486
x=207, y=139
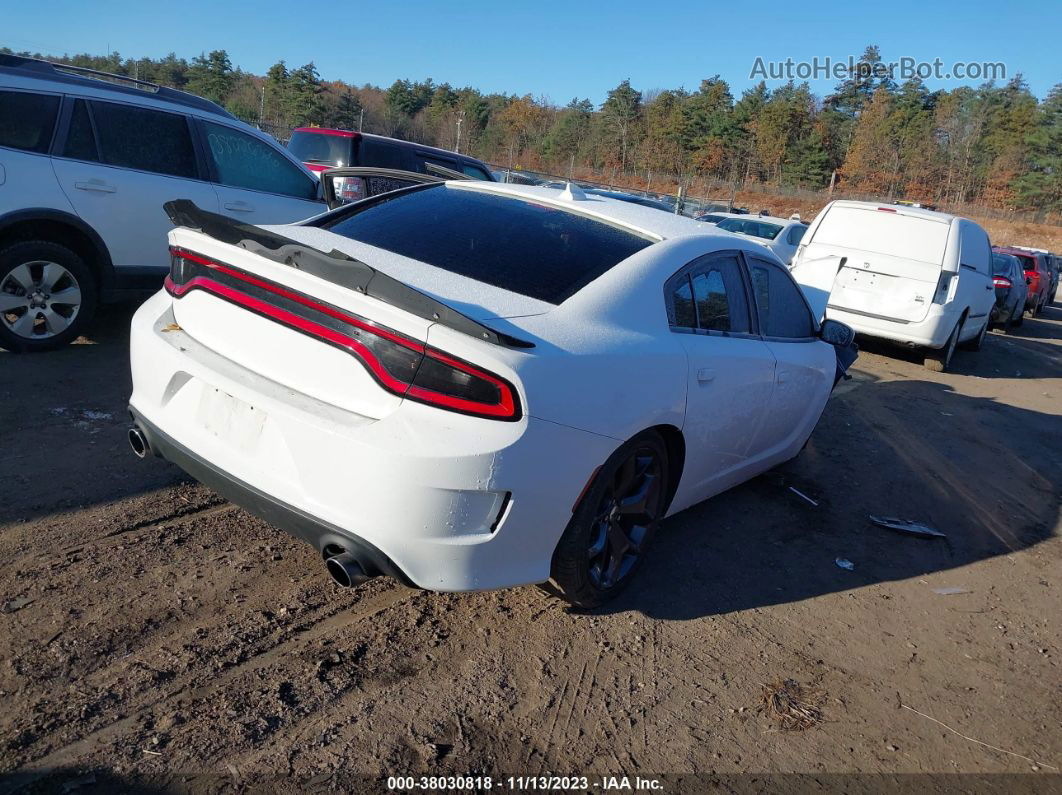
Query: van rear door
x=893, y=260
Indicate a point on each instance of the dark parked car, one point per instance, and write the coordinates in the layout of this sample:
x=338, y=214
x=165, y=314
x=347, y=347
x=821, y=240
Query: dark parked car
x=321, y=149
x=1037, y=273
x=1008, y=278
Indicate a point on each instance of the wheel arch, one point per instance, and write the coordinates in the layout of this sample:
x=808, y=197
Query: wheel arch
x=676, y=456
x=63, y=228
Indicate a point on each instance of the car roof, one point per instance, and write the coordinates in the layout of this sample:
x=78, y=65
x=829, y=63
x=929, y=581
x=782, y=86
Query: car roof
x=385, y=139
x=49, y=76
x=768, y=218
x=899, y=209
x=636, y=217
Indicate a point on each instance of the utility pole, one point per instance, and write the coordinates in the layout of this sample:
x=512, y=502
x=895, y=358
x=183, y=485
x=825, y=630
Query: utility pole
x=361, y=119
x=261, y=107
x=460, y=118
x=571, y=167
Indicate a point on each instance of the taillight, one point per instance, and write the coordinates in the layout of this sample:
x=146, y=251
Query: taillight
x=1000, y=281
x=943, y=285
x=402, y=365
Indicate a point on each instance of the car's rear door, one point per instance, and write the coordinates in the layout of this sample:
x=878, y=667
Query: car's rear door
x=256, y=181
x=805, y=365
x=118, y=164
x=731, y=371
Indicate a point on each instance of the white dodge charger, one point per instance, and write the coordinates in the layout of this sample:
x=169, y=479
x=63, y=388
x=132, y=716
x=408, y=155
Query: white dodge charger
x=471, y=385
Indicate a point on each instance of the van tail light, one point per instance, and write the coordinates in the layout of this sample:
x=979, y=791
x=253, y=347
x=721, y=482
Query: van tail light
x=1000, y=281
x=400, y=364
x=943, y=286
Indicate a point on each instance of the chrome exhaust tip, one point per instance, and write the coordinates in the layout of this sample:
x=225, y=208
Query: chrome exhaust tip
x=345, y=570
x=138, y=442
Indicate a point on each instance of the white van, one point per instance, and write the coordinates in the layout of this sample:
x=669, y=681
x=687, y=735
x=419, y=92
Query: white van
x=905, y=274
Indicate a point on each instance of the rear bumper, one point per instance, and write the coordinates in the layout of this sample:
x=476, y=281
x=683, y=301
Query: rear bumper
x=445, y=501
x=930, y=332
x=313, y=531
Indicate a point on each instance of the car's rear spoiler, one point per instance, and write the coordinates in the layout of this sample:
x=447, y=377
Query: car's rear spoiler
x=335, y=267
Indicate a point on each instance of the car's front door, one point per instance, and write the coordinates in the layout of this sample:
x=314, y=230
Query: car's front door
x=255, y=181
x=731, y=372
x=118, y=164
x=805, y=365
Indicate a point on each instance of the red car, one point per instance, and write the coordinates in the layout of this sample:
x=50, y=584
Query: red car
x=1037, y=276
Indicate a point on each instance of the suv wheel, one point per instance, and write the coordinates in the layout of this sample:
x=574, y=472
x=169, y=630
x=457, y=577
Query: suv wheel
x=47, y=296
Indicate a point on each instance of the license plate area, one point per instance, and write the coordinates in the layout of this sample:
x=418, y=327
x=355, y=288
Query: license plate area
x=230, y=419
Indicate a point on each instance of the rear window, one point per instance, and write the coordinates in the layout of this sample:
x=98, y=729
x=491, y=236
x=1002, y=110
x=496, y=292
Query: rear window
x=527, y=248
x=1027, y=263
x=1001, y=264
x=750, y=227
x=330, y=150
x=27, y=120
x=881, y=232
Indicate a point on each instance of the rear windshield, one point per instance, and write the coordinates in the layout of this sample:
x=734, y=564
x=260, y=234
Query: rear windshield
x=518, y=245
x=330, y=150
x=1001, y=264
x=750, y=227
x=885, y=232
x=1027, y=263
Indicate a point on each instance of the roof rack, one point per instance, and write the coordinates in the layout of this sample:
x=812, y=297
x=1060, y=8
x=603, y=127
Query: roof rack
x=78, y=75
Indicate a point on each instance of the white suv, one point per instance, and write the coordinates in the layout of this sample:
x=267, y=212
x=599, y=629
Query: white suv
x=86, y=162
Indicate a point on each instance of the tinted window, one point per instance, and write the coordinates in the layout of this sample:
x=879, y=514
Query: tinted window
x=440, y=161
x=783, y=311
x=243, y=161
x=711, y=297
x=1002, y=263
x=148, y=140
x=311, y=147
x=27, y=120
x=80, y=140
x=684, y=314
x=795, y=234
x=474, y=171
x=380, y=154
x=532, y=249
x=750, y=227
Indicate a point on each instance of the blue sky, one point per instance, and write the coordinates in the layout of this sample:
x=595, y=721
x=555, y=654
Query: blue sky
x=555, y=49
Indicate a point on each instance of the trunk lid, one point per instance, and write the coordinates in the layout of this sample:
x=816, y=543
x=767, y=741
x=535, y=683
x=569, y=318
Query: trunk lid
x=247, y=336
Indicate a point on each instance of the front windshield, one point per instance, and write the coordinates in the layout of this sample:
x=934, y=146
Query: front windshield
x=751, y=227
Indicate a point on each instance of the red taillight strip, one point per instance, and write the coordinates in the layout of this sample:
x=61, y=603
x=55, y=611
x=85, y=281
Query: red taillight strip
x=506, y=408
x=293, y=320
x=298, y=298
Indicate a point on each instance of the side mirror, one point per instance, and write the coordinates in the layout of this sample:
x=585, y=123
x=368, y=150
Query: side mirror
x=837, y=333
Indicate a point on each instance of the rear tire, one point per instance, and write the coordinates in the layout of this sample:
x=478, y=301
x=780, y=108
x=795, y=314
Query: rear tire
x=938, y=360
x=1018, y=318
x=47, y=296
x=606, y=540
x=976, y=343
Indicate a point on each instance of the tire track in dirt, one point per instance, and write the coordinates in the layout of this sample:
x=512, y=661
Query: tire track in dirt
x=302, y=636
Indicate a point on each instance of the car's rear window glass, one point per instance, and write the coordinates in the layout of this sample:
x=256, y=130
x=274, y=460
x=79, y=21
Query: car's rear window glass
x=1001, y=264
x=532, y=249
x=329, y=150
x=27, y=120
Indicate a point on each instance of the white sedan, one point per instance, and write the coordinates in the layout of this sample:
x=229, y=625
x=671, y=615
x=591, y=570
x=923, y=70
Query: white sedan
x=780, y=235
x=472, y=385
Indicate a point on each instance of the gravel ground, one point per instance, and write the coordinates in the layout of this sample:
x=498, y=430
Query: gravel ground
x=160, y=638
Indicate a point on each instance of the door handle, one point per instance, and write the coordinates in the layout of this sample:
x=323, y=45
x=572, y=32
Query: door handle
x=96, y=186
x=240, y=207
x=704, y=375
x=989, y=286
x=783, y=376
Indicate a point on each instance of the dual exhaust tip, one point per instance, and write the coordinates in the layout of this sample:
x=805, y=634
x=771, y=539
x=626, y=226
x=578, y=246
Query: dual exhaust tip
x=344, y=568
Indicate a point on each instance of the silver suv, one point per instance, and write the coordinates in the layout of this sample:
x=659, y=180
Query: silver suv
x=86, y=162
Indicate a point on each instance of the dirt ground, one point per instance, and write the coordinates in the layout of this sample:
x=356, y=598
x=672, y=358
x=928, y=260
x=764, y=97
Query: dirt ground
x=156, y=637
